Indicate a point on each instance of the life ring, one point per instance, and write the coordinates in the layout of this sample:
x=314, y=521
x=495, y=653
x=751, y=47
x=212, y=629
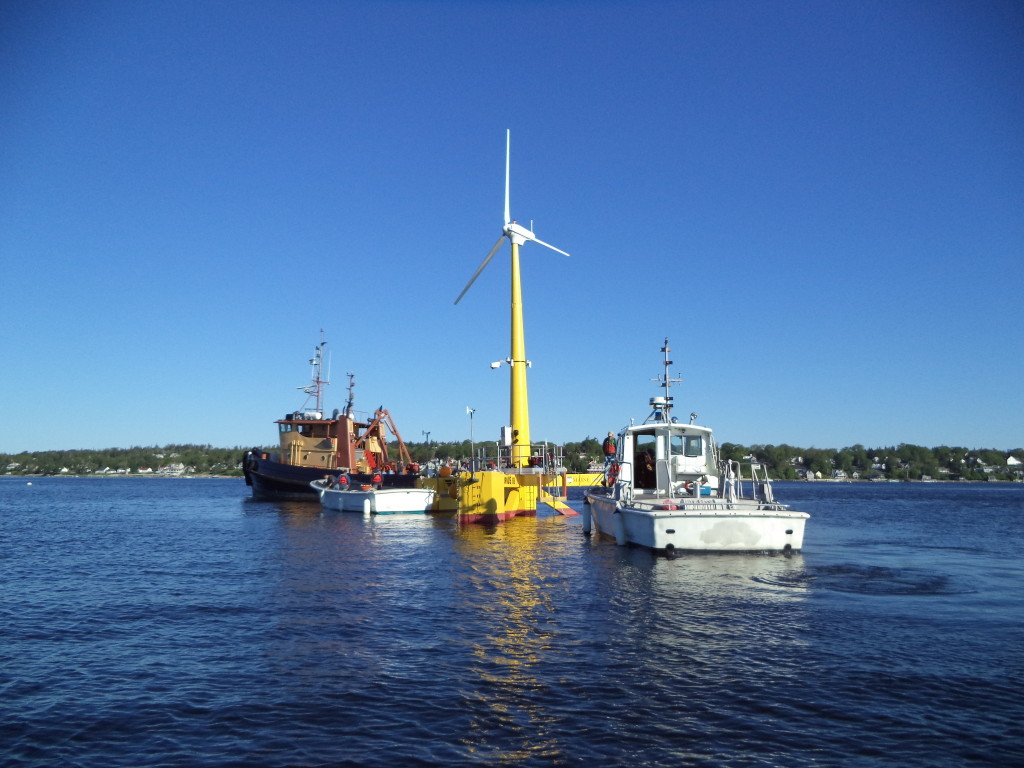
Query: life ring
x=613, y=473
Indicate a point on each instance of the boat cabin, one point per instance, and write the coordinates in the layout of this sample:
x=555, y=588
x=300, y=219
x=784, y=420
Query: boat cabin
x=338, y=443
x=668, y=459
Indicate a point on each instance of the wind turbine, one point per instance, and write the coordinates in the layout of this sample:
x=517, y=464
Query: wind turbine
x=518, y=404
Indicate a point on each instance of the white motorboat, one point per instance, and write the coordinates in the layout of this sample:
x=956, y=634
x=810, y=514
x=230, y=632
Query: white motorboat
x=371, y=500
x=667, y=489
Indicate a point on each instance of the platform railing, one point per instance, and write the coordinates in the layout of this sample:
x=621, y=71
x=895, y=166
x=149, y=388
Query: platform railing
x=545, y=458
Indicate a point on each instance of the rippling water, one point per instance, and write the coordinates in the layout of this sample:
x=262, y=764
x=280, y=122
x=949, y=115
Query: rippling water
x=148, y=622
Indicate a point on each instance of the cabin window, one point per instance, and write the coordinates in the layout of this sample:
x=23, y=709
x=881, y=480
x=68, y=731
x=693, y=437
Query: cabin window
x=286, y=428
x=687, y=445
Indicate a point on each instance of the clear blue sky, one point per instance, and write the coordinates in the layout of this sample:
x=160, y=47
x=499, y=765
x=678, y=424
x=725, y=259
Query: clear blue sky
x=821, y=204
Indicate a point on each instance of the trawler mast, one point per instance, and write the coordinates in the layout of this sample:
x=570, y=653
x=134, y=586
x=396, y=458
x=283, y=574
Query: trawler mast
x=315, y=388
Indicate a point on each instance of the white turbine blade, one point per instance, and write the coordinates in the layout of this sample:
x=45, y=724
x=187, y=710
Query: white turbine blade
x=480, y=269
x=508, y=150
x=547, y=245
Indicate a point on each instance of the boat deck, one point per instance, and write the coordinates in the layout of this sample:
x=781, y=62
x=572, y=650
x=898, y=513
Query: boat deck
x=654, y=502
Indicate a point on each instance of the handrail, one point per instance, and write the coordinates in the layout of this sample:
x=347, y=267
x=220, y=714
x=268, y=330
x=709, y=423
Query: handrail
x=760, y=487
x=550, y=460
x=667, y=465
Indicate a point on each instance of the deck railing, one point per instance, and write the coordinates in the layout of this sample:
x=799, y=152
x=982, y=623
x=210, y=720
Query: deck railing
x=733, y=481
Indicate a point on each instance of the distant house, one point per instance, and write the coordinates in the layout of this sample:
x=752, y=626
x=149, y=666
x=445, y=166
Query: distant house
x=1013, y=461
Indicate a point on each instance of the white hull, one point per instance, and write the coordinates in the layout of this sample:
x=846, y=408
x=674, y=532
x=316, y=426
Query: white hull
x=712, y=525
x=383, y=501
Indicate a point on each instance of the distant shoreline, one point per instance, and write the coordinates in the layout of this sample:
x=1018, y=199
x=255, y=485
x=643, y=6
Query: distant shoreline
x=189, y=476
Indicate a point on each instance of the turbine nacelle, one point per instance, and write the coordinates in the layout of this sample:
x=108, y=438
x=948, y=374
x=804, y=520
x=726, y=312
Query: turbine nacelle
x=519, y=234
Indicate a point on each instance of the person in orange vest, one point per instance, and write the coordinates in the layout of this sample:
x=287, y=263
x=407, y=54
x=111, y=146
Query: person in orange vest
x=609, y=446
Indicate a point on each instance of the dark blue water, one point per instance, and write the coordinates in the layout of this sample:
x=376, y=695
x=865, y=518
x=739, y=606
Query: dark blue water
x=148, y=622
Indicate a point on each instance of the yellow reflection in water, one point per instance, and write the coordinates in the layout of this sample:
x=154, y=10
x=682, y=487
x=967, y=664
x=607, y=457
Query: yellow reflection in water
x=509, y=582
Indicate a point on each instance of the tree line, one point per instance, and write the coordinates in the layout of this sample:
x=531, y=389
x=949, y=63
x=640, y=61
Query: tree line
x=169, y=459
x=785, y=462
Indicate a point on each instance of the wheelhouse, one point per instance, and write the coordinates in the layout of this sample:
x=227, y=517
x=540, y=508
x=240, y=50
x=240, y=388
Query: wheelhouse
x=668, y=459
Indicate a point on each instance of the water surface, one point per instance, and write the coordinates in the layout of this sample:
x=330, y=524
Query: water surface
x=175, y=622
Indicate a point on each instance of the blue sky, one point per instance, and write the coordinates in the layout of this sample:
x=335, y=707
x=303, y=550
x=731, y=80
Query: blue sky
x=820, y=204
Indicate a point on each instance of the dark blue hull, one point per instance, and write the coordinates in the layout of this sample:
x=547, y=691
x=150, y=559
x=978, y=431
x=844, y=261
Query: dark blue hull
x=272, y=480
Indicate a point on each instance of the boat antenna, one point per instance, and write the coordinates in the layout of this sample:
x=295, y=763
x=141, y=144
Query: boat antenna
x=351, y=396
x=663, y=405
x=315, y=388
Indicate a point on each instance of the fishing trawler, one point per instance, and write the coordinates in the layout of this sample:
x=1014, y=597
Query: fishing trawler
x=312, y=445
x=667, y=489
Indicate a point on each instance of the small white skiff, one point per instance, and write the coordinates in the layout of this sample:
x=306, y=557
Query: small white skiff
x=378, y=501
x=668, y=490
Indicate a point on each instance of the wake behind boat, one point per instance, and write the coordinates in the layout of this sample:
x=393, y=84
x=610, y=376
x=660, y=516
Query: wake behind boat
x=667, y=489
x=342, y=495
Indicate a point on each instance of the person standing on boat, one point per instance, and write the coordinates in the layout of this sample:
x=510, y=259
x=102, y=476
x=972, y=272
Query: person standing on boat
x=609, y=447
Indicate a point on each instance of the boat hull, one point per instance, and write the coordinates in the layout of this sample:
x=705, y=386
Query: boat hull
x=707, y=525
x=273, y=480
x=381, y=501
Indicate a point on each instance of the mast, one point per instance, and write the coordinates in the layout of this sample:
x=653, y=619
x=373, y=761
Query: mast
x=663, y=405
x=351, y=393
x=315, y=388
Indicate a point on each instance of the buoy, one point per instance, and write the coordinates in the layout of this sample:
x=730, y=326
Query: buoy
x=586, y=522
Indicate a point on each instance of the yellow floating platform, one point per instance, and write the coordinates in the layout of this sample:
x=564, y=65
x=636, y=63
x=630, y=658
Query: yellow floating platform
x=494, y=496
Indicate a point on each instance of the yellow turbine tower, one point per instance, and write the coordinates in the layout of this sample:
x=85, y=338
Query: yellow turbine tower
x=519, y=407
